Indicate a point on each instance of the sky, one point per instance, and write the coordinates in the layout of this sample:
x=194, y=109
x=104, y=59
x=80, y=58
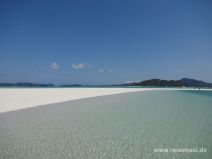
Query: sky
x=104, y=41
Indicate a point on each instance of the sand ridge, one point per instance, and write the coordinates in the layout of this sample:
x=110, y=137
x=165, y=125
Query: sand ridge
x=20, y=98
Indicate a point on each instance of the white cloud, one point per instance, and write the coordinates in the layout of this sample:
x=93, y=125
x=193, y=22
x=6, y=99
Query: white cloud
x=135, y=81
x=80, y=66
x=54, y=66
x=128, y=81
x=106, y=70
x=101, y=70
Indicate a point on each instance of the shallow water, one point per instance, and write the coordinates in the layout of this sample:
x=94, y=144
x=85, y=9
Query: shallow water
x=127, y=125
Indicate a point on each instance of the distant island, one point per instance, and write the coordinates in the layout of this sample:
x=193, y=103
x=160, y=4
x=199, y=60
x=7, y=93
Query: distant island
x=184, y=82
x=25, y=85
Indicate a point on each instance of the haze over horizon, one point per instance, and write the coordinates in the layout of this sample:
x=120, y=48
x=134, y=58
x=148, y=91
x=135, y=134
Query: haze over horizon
x=105, y=42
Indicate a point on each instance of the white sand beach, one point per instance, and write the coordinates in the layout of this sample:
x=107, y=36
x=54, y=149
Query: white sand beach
x=20, y=98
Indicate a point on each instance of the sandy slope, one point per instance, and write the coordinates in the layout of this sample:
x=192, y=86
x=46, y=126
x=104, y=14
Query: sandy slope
x=20, y=98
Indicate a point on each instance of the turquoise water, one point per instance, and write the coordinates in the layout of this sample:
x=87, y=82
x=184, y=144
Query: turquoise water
x=121, y=126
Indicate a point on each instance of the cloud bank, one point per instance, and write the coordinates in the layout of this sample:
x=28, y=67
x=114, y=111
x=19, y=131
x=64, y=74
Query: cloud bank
x=54, y=66
x=80, y=66
x=106, y=70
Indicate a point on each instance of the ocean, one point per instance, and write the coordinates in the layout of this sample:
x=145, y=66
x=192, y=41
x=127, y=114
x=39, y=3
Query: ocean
x=151, y=124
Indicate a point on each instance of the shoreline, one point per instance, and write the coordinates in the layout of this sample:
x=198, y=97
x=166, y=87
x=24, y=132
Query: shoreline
x=12, y=99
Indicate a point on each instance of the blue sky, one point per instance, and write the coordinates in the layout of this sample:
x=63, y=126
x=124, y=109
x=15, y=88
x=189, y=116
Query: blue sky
x=104, y=42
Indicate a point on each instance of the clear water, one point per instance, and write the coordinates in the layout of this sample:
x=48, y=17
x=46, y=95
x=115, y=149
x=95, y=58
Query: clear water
x=121, y=126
